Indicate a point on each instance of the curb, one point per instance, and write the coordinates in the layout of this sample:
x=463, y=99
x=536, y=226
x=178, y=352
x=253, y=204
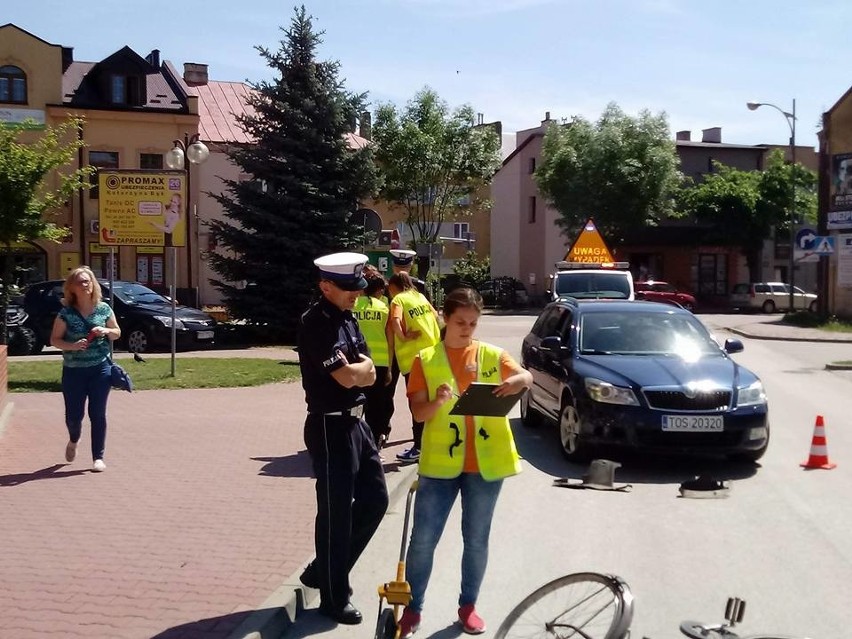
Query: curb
x=282, y=608
x=6, y=415
x=776, y=338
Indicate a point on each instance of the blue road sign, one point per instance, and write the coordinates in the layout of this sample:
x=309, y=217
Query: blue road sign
x=824, y=245
x=805, y=239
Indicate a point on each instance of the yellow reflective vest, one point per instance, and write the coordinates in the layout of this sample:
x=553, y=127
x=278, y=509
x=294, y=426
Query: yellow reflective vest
x=442, y=451
x=372, y=315
x=417, y=315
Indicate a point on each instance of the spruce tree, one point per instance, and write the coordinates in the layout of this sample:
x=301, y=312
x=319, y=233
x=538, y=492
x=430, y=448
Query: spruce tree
x=306, y=185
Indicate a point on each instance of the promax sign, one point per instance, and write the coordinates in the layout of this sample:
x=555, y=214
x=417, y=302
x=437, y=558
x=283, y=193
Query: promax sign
x=589, y=247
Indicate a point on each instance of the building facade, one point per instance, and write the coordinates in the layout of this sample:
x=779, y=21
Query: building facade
x=523, y=225
x=133, y=108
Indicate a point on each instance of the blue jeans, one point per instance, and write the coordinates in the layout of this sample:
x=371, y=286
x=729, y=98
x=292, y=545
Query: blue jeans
x=432, y=504
x=78, y=385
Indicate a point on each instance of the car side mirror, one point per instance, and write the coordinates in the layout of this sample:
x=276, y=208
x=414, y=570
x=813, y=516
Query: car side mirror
x=733, y=345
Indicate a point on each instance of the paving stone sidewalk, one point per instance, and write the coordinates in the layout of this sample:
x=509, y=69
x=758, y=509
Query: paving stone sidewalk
x=202, y=521
x=197, y=529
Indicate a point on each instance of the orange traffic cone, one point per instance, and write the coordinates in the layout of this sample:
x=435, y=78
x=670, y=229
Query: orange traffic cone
x=819, y=450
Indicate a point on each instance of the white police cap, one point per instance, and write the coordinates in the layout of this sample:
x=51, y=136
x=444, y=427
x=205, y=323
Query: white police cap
x=402, y=257
x=343, y=269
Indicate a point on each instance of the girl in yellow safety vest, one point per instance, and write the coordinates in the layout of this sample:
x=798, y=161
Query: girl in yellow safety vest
x=460, y=454
x=373, y=315
x=414, y=324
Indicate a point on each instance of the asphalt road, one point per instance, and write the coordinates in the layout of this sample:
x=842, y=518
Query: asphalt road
x=780, y=540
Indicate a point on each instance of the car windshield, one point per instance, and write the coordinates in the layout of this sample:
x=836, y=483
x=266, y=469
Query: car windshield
x=645, y=333
x=612, y=285
x=132, y=293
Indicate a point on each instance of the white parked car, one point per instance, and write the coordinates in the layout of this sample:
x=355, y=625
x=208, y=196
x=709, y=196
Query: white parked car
x=770, y=297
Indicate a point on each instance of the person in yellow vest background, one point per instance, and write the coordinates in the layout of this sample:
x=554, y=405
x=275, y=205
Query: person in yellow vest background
x=414, y=324
x=373, y=314
x=459, y=454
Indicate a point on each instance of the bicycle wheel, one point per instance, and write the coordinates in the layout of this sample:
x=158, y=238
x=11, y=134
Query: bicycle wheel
x=584, y=605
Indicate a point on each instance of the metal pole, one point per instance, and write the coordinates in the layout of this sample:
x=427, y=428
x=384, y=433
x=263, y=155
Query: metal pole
x=792, y=206
x=186, y=166
x=111, y=288
x=173, y=260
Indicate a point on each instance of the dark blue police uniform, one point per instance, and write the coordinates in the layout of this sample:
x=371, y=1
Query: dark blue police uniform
x=352, y=495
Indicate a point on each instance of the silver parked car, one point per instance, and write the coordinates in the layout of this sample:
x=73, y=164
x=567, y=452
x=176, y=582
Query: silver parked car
x=770, y=297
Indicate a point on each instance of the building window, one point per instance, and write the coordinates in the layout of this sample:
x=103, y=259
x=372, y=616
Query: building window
x=461, y=229
x=151, y=161
x=101, y=160
x=13, y=85
x=531, y=211
x=531, y=166
x=125, y=89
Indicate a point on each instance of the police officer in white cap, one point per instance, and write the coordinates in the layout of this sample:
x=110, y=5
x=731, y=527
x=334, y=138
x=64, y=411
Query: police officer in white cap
x=352, y=495
x=403, y=260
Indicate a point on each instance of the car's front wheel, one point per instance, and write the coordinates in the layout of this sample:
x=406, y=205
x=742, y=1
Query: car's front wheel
x=21, y=340
x=570, y=437
x=813, y=307
x=138, y=340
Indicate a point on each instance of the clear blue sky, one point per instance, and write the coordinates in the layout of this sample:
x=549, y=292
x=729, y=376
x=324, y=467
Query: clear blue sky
x=512, y=60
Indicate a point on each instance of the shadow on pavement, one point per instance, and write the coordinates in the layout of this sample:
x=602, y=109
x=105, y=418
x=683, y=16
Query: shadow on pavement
x=45, y=473
x=298, y=465
x=540, y=447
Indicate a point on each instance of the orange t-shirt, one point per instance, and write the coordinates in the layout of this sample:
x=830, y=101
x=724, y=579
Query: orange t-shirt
x=463, y=364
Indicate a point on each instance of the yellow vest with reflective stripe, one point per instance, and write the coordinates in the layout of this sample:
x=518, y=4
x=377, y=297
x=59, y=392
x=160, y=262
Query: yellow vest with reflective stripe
x=417, y=315
x=495, y=449
x=372, y=315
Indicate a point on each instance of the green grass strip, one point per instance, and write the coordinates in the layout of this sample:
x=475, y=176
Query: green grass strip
x=190, y=372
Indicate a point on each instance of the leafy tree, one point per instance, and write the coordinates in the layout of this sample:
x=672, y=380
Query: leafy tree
x=472, y=269
x=35, y=180
x=307, y=184
x=743, y=206
x=623, y=171
x=430, y=159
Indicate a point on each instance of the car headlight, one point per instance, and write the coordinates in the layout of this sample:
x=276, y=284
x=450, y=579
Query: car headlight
x=752, y=395
x=166, y=321
x=607, y=393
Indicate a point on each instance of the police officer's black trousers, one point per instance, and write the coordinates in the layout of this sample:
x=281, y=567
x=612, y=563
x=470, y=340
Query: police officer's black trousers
x=379, y=407
x=351, y=498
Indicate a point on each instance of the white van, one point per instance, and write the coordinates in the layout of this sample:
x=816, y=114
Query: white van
x=582, y=280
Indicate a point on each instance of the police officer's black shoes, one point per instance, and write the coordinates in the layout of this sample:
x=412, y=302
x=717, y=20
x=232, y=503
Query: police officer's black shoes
x=349, y=614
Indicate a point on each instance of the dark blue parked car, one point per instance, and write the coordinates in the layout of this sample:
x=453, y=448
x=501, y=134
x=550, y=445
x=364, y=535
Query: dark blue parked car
x=143, y=315
x=643, y=376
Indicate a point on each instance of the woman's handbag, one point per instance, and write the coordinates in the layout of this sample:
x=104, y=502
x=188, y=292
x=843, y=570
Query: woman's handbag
x=119, y=377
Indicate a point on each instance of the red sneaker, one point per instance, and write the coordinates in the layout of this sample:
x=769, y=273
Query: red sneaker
x=409, y=623
x=471, y=622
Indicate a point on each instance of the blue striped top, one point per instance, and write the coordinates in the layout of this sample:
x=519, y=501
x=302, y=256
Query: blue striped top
x=76, y=328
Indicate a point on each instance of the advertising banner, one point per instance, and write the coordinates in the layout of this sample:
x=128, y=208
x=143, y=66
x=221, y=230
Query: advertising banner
x=840, y=192
x=844, y=261
x=142, y=208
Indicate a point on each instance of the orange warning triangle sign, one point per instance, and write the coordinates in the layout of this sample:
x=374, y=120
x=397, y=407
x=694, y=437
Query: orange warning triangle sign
x=589, y=246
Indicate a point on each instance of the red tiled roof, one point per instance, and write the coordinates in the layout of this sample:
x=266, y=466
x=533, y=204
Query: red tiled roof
x=220, y=102
x=218, y=105
x=356, y=141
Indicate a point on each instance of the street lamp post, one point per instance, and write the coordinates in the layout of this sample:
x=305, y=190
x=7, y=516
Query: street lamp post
x=184, y=154
x=790, y=117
